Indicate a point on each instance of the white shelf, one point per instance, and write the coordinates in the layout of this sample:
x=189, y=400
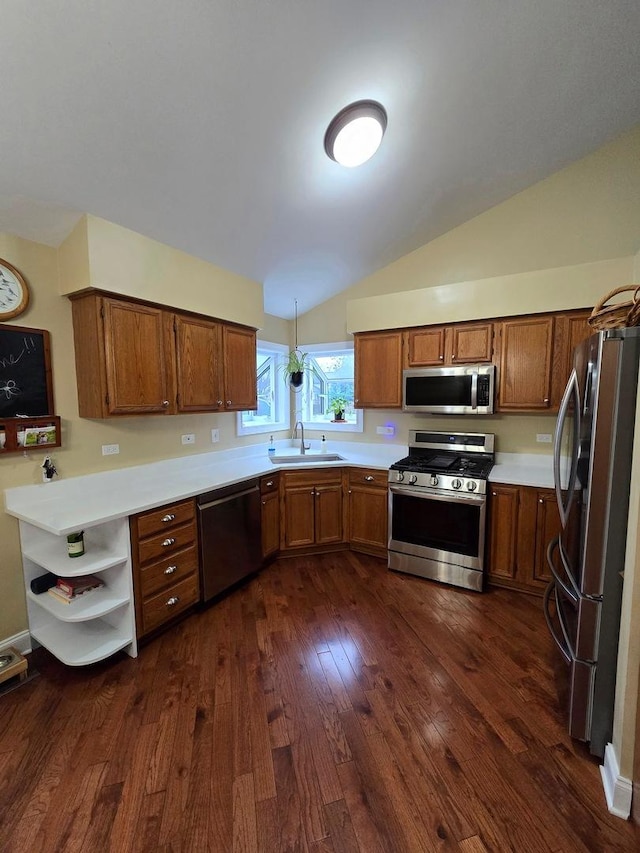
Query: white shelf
x=79, y=645
x=92, y=605
x=97, y=558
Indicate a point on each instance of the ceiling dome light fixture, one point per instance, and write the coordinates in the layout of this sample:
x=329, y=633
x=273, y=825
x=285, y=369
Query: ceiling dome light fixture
x=355, y=134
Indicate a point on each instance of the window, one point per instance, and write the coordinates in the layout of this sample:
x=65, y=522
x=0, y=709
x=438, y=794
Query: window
x=273, y=394
x=328, y=381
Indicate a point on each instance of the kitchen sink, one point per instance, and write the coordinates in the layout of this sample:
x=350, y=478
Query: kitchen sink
x=298, y=458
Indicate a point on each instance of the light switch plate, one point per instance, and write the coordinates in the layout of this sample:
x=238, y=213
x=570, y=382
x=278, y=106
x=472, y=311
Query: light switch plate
x=544, y=437
x=215, y=436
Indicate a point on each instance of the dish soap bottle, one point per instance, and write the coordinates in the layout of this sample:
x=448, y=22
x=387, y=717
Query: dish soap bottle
x=271, y=450
x=323, y=445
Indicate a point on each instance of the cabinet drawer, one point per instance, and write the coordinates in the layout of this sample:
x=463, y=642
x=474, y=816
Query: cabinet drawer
x=174, y=539
x=315, y=477
x=175, y=567
x=368, y=477
x=167, y=604
x=157, y=520
x=269, y=484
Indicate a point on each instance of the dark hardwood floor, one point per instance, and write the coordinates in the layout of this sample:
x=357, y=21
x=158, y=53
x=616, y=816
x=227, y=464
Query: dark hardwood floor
x=328, y=705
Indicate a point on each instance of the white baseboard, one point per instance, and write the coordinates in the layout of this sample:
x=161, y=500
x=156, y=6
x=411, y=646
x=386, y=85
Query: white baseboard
x=21, y=642
x=617, y=789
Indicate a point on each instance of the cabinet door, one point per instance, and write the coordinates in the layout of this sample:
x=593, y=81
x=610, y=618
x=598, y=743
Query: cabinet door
x=239, y=367
x=503, y=532
x=547, y=528
x=270, y=524
x=425, y=347
x=471, y=344
x=368, y=510
x=198, y=364
x=328, y=514
x=298, y=526
x=378, y=370
x=525, y=364
x=137, y=366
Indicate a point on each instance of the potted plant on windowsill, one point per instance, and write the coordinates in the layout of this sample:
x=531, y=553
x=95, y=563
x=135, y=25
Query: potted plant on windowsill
x=338, y=406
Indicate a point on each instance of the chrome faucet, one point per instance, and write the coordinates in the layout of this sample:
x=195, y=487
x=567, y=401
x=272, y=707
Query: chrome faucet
x=303, y=447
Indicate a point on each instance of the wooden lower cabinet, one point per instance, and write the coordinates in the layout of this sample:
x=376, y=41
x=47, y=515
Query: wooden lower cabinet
x=368, y=511
x=522, y=522
x=270, y=512
x=312, y=508
x=164, y=545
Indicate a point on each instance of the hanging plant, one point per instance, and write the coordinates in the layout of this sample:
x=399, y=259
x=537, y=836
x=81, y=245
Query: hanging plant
x=294, y=367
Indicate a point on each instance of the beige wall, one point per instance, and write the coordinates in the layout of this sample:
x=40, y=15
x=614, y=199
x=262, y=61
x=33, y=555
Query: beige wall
x=116, y=259
x=589, y=211
x=141, y=439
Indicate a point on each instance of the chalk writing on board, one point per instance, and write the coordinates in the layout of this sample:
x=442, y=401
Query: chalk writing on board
x=23, y=372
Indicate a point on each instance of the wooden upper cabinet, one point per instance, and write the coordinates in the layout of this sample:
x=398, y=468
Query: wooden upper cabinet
x=425, y=347
x=239, y=368
x=198, y=364
x=526, y=350
x=471, y=344
x=378, y=370
x=465, y=343
x=137, y=372
x=133, y=358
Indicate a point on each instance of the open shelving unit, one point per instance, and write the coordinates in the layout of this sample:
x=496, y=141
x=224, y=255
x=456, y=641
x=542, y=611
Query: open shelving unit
x=99, y=623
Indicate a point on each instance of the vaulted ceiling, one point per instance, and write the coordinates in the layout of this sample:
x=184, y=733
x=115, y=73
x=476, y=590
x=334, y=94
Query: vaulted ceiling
x=200, y=123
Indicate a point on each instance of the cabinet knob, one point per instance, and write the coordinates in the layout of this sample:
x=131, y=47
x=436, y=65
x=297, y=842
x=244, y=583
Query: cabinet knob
x=269, y=483
x=173, y=601
x=349, y=491
x=219, y=402
x=264, y=503
x=170, y=570
x=494, y=494
x=453, y=358
x=165, y=404
x=356, y=401
x=441, y=358
x=546, y=400
x=169, y=541
x=369, y=478
x=168, y=517
x=540, y=501
x=228, y=402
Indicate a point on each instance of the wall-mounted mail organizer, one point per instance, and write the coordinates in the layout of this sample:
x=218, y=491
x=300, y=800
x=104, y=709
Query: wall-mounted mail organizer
x=26, y=391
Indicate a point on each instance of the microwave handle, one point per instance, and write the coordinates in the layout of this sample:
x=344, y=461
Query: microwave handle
x=474, y=390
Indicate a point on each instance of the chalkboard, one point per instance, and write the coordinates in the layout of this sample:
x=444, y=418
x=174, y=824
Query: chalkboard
x=25, y=372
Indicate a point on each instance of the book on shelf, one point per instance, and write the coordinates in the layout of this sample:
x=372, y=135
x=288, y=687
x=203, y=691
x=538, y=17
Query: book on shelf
x=64, y=597
x=77, y=585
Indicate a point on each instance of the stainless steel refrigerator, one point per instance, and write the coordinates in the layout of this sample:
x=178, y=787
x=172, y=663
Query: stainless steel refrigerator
x=592, y=467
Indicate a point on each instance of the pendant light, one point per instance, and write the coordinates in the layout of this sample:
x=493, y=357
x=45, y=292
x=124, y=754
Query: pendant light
x=355, y=133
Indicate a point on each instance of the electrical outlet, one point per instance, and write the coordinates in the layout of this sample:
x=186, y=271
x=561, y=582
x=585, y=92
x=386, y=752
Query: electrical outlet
x=190, y=438
x=110, y=449
x=215, y=436
x=386, y=430
x=544, y=437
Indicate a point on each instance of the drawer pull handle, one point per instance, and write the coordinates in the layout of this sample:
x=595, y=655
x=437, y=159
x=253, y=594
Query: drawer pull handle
x=169, y=541
x=228, y=402
x=168, y=517
x=369, y=478
x=165, y=404
x=170, y=570
x=219, y=402
x=173, y=601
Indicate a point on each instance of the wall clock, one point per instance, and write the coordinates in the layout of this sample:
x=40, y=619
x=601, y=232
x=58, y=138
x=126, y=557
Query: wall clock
x=14, y=292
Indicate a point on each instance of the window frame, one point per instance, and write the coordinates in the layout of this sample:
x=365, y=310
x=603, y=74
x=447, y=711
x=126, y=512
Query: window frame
x=302, y=408
x=282, y=406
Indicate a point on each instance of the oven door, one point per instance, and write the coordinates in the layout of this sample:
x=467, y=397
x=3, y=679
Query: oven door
x=447, y=528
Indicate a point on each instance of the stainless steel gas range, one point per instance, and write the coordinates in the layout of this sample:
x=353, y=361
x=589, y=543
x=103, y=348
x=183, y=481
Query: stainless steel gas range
x=437, y=507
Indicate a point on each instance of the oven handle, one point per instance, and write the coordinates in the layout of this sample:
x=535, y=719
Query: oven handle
x=435, y=496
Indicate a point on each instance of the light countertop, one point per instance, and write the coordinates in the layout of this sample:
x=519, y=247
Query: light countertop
x=63, y=506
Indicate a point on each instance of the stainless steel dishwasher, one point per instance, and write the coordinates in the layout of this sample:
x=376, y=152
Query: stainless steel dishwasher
x=230, y=534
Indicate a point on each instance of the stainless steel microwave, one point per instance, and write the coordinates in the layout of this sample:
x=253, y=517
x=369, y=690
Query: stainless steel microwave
x=461, y=390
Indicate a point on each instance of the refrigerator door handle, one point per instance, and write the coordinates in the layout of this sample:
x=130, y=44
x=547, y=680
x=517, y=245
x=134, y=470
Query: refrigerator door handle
x=570, y=391
x=547, y=615
x=572, y=591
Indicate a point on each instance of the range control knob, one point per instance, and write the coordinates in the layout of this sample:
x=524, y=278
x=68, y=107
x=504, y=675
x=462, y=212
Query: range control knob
x=399, y=476
x=433, y=480
x=472, y=486
x=455, y=484
x=413, y=478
